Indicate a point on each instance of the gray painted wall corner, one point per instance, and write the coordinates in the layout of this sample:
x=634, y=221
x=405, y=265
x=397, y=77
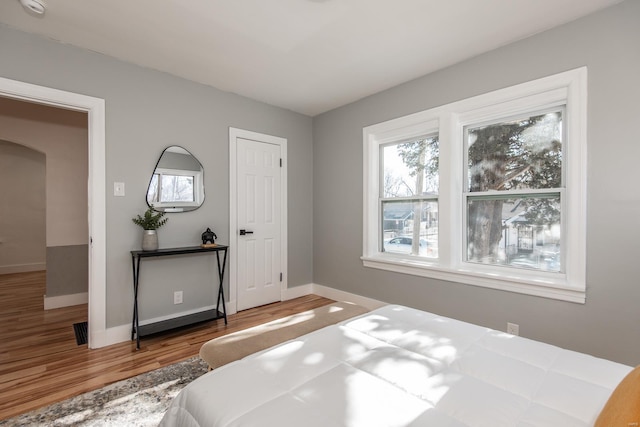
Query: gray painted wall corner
x=607, y=325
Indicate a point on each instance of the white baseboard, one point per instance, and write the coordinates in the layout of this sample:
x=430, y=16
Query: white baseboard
x=297, y=292
x=65, y=300
x=122, y=333
x=175, y=315
x=111, y=336
x=338, y=295
x=22, y=268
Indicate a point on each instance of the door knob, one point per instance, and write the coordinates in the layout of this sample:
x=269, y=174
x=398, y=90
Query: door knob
x=243, y=232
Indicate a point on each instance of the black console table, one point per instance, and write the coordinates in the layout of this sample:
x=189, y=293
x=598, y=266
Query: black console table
x=138, y=331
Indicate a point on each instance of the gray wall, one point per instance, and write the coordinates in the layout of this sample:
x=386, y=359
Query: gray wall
x=146, y=111
x=178, y=161
x=608, y=325
x=23, y=208
x=67, y=270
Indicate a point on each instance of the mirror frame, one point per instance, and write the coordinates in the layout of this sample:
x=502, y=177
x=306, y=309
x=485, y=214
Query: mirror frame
x=198, y=183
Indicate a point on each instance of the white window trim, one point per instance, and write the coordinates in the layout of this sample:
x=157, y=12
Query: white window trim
x=568, y=88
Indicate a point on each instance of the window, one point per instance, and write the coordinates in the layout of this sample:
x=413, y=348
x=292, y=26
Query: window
x=488, y=191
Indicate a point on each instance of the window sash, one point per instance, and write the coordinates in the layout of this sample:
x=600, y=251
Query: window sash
x=542, y=256
x=561, y=108
x=428, y=241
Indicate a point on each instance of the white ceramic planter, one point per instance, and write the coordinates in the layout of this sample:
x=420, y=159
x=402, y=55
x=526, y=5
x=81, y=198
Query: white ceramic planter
x=150, y=240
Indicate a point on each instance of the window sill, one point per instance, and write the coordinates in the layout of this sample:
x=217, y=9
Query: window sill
x=556, y=288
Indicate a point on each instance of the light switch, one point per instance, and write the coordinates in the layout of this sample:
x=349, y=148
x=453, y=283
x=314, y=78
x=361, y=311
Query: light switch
x=118, y=189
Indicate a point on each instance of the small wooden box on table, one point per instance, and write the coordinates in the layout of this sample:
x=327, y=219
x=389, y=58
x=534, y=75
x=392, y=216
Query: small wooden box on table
x=138, y=331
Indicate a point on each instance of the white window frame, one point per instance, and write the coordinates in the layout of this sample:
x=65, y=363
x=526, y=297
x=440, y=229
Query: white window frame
x=569, y=89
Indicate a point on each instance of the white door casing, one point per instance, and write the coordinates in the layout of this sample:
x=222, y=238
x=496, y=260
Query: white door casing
x=258, y=206
x=95, y=109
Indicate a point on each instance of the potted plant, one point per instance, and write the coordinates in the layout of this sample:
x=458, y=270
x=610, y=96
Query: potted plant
x=150, y=222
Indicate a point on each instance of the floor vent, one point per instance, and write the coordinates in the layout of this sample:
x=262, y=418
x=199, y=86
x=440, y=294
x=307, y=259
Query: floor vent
x=81, y=330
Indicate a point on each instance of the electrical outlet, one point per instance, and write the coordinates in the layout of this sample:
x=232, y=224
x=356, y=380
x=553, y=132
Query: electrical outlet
x=513, y=329
x=177, y=297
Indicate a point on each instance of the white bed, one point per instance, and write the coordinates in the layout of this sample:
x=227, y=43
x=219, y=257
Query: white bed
x=398, y=366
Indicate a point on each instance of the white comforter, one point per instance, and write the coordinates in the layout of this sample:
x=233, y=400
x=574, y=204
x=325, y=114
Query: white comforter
x=397, y=366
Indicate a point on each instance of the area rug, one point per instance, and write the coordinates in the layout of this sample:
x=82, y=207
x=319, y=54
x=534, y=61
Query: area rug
x=138, y=401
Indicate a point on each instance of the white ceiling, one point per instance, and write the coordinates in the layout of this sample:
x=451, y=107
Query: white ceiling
x=308, y=56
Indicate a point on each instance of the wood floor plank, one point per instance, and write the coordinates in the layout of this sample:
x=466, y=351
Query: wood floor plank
x=41, y=363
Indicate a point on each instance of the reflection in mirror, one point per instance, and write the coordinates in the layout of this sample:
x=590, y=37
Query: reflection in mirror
x=177, y=183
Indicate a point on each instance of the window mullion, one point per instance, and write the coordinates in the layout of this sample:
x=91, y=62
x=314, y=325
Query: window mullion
x=450, y=186
x=371, y=200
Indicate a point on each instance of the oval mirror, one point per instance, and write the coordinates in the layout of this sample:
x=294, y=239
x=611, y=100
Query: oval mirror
x=177, y=183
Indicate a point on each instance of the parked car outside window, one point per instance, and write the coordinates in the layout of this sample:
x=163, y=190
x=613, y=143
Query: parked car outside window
x=402, y=245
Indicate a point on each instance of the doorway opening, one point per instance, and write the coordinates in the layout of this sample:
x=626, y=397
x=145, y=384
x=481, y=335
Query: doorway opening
x=96, y=215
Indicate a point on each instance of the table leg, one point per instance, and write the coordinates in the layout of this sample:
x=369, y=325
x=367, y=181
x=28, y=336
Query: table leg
x=135, y=327
x=220, y=282
x=133, y=317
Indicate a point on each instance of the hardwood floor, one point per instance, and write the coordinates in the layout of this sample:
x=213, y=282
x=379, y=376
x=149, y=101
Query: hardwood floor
x=41, y=363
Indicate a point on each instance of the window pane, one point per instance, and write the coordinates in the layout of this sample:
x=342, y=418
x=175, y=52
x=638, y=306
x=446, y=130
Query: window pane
x=401, y=234
x=520, y=154
x=152, y=191
x=177, y=188
x=410, y=168
x=515, y=232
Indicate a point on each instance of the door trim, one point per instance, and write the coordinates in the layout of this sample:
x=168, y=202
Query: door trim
x=234, y=134
x=95, y=109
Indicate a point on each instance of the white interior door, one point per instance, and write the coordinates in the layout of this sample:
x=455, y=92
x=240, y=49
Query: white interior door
x=258, y=233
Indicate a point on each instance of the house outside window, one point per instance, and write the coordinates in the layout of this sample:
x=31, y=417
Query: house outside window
x=487, y=191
